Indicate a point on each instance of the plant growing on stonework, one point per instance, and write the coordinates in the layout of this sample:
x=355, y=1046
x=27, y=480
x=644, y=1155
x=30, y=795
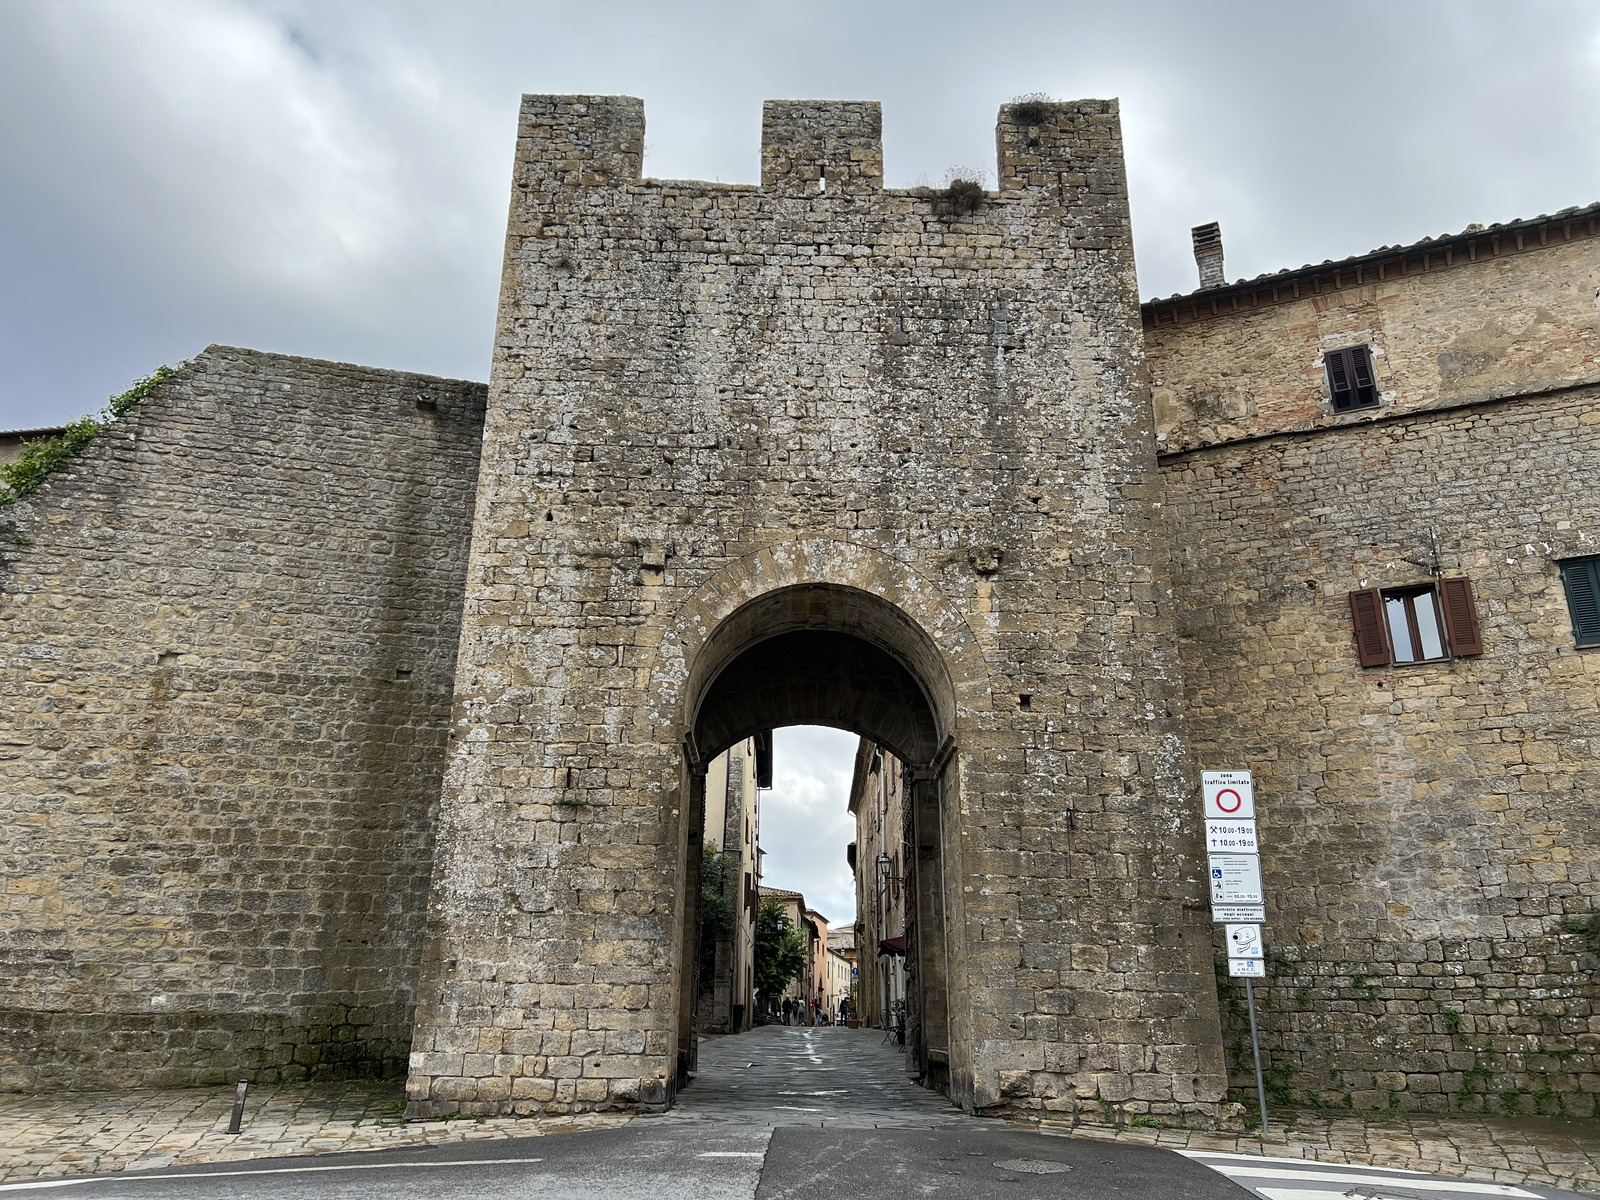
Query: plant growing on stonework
x=1031, y=108
x=780, y=950
x=1588, y=928
x=42, y=457
x=962, y=193
x=716, y=912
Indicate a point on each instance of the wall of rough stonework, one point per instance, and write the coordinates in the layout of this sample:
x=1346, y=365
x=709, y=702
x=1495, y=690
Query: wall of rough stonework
x=1440, y=334
x=856, y=412
x=225, y=673
x=1425, y=829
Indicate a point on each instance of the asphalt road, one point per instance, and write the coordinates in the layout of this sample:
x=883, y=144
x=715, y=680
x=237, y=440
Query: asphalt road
x=653, y=1160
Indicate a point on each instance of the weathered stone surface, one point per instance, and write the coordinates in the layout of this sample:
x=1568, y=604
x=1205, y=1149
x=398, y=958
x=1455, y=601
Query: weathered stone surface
x=819, y=451
x=225, y=669
x=1426, y=829
x=848, y=413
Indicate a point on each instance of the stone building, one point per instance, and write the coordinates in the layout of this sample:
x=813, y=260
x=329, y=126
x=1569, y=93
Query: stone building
x=1383, y=607
x=877, y=800
x=734, y=781
x=360, y=721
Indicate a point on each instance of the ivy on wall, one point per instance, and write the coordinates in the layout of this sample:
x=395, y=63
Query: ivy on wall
x=45, y=456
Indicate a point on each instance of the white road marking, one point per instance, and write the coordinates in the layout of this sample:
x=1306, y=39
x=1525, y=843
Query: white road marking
x=1303, y=1163
x=732, y=1154
x=1318, y=1174
x=119, y=1177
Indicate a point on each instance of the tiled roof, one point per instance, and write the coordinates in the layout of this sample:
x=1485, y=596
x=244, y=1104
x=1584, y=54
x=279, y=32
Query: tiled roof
x=1435, y=253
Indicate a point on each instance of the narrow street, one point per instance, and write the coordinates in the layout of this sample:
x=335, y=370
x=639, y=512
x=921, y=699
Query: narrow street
x=827, y=1078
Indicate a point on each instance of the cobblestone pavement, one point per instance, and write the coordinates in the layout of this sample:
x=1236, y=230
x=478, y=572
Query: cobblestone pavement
x=76, y=1133
x=773, y=1077
x=829, y=1077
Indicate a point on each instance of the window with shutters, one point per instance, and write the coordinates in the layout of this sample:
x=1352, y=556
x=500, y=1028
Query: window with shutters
x=1581, y=579
x=1422, y=623
x=1351, y=383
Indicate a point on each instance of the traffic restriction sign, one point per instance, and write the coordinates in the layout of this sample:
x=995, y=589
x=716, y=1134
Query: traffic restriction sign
x=1228, y=795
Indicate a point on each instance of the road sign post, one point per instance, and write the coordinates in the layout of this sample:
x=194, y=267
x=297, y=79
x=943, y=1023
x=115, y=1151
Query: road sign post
x=1255, y=1047
x=1233, y=862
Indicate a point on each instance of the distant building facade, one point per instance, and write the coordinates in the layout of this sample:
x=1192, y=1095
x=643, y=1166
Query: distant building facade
x=878, y=802
x=734, y=782
x=841, y=968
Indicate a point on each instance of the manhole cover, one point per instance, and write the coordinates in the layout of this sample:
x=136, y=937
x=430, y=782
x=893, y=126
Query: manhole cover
x=1033, y=1166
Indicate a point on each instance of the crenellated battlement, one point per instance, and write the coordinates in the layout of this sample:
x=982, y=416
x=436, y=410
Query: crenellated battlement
x=1059, y=151
x=821, y=147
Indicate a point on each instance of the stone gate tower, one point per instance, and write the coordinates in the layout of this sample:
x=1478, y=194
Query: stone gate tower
x=819, y=451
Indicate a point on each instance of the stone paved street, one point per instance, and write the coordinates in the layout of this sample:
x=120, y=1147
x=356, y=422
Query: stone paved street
x=775, y=1078
x=828, y=1077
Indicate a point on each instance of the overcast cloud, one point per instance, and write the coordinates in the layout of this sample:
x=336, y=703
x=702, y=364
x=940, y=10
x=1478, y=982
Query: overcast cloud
x=805, y=824
x=331, y=179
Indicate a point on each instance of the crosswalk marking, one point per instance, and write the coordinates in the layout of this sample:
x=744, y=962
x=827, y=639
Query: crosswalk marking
x=1303, y=1179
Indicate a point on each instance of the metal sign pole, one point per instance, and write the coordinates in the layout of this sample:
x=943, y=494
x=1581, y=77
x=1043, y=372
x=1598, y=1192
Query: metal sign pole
x=1255, y=1045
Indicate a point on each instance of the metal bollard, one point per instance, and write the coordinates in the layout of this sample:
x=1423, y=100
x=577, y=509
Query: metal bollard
x=238, y=1106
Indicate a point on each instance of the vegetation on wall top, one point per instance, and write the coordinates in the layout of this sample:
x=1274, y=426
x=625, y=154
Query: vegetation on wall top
x=46, y=455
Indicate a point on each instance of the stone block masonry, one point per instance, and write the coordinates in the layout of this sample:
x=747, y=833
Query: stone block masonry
x=1430, y=831
x=706, y=399
x=226, y=662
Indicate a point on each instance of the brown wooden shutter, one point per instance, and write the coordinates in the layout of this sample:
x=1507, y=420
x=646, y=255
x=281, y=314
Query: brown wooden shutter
x=1460, y=617
x=1372, y=640
x=1361, y=366
x=1338, y=370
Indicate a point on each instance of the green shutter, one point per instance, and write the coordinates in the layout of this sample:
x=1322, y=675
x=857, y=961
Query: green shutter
x=1582, y=579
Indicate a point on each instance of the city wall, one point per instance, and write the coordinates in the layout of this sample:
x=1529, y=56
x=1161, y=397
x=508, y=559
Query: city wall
x=226, y=658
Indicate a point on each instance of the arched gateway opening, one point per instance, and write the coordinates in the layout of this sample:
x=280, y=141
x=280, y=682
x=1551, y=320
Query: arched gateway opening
x=823, y=654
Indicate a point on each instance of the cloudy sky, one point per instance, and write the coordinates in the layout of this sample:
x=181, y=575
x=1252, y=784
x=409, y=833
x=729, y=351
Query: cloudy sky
x=804, y=823
x=331, y=179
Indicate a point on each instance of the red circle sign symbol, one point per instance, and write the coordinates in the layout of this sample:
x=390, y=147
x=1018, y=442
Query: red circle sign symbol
x=1238, y=801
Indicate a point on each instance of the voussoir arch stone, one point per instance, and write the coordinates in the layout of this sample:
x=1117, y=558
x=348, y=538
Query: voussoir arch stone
x=950, y=666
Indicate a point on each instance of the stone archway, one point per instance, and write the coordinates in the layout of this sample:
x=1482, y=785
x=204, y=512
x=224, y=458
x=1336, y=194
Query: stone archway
x=692, y=410
x=826, y=654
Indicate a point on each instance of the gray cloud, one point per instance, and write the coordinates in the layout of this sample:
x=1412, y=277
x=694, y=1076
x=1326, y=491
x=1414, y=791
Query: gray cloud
x=331, y=179
x=805, y=825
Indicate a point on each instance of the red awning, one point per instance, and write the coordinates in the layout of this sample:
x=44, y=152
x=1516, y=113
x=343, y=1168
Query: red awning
x=894, y=945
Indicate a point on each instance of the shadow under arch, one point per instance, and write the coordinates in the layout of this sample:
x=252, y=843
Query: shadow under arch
x=821, y=654
x=835, y=655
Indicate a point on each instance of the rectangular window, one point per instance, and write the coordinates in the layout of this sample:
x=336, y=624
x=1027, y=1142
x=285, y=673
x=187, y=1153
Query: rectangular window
x=1351, y=383
x=1421, y=623
x=1413, y=617
x=1581, y=579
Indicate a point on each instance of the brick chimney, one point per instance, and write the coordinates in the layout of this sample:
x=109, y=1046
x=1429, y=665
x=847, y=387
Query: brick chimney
x=1208, y=254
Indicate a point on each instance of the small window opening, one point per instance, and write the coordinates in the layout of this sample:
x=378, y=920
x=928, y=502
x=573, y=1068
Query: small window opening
x=1415, y=632
x=1425, y=622
x=1025, y=701
x=822, y=180
x=1351, y=383
x=402, y=672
